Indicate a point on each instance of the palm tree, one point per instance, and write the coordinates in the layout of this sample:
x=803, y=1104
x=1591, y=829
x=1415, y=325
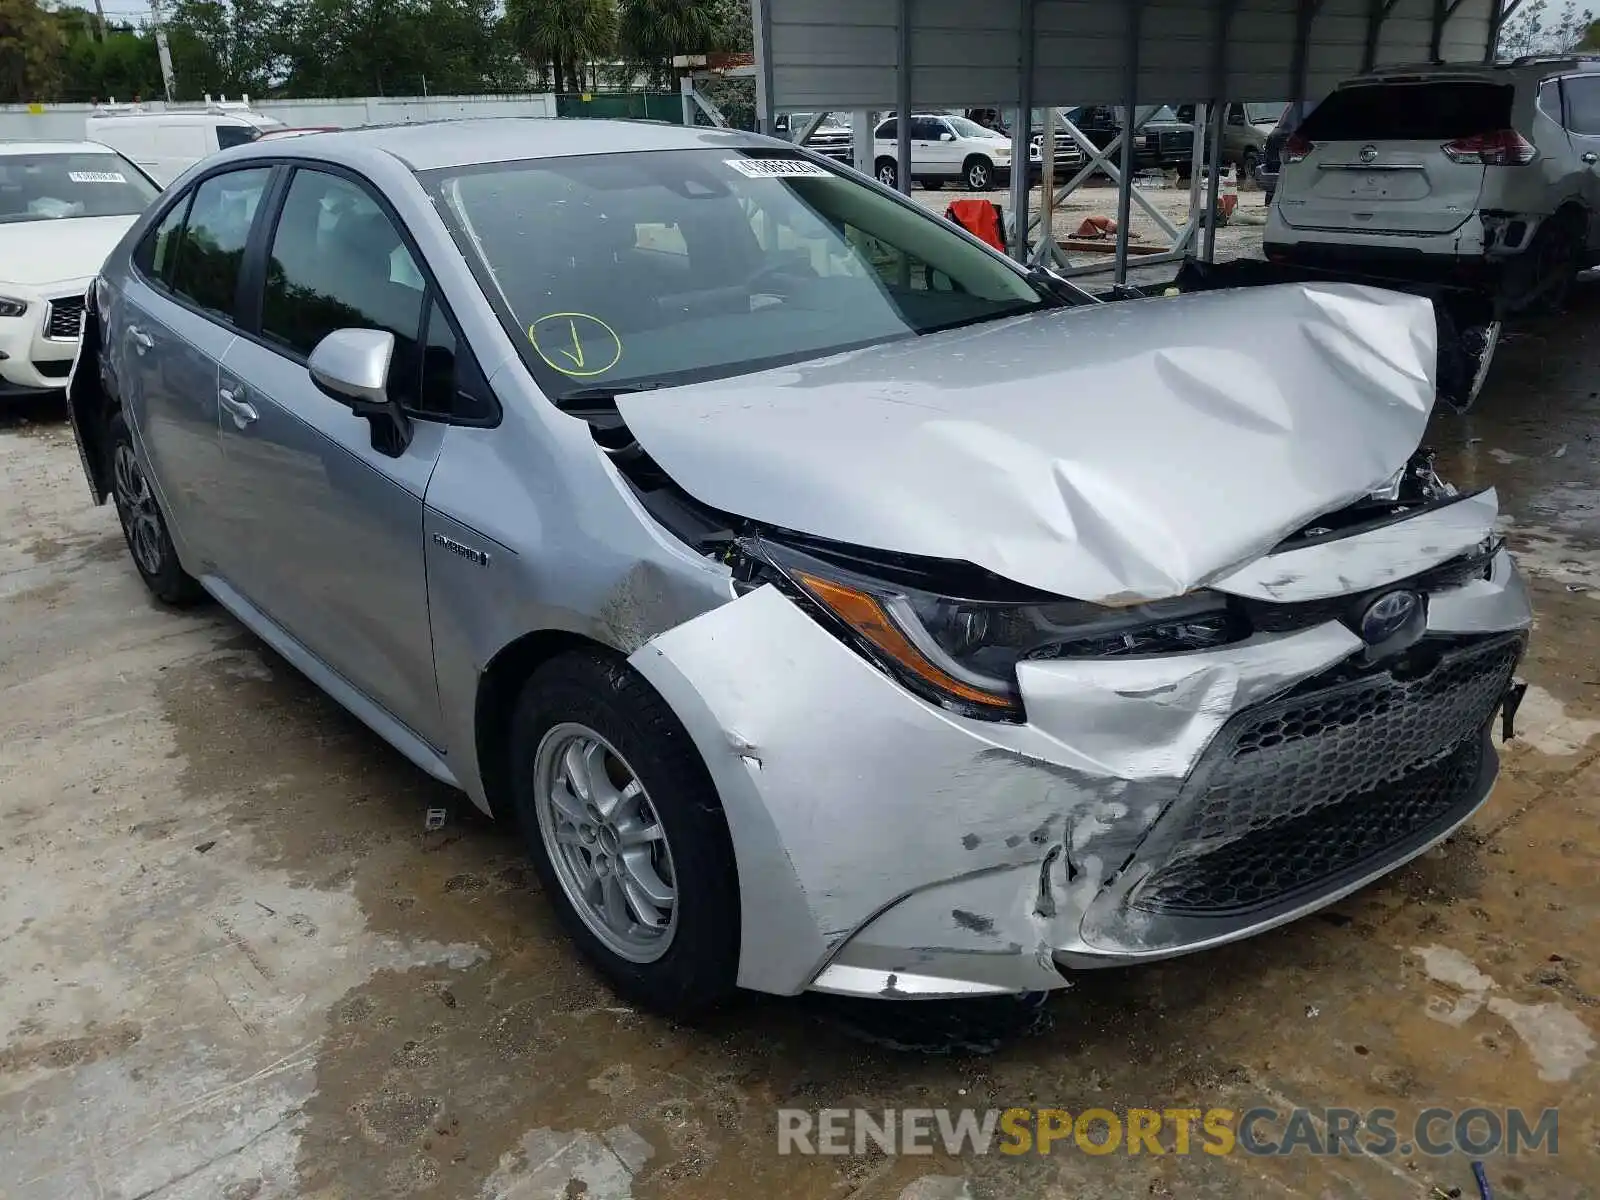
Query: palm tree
x=652, y=31
x=568, y=35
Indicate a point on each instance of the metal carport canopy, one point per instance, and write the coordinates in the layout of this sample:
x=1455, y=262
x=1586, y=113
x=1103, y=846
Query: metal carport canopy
x=844, y=55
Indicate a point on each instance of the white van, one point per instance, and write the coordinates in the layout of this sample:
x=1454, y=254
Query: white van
x=167, y=142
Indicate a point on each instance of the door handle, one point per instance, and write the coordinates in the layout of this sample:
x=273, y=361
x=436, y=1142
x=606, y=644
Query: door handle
x=142, y=341
x=1591, y=158
x=242, y=411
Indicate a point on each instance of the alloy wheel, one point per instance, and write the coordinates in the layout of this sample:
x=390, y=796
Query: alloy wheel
x=141, y=519
x=978, y=177
x=608, y=846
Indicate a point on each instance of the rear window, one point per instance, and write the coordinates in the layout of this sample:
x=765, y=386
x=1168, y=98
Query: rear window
x=1410, y=112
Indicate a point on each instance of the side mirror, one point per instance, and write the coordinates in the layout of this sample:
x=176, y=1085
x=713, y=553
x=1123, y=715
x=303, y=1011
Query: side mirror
x=947, y=137
x=352, y=367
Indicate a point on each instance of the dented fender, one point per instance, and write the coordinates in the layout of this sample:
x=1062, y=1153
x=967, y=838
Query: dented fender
x=852, y=803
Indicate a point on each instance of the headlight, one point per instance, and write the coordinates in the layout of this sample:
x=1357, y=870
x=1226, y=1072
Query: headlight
x=12, y=308
x=963, y=653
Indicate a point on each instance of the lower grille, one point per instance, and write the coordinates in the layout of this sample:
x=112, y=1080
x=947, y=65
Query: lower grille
x=1329, y=778
x=66, y=317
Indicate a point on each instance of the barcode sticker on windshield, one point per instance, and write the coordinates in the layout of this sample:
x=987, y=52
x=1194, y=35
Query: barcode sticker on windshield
x=775, y=168
x=96, y=177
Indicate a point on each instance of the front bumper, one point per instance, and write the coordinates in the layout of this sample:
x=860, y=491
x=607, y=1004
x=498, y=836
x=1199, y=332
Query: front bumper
x=890, y=848
x=37, y=348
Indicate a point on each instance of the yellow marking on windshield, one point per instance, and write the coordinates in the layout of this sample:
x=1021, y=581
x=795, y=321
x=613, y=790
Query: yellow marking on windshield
x=560, y=338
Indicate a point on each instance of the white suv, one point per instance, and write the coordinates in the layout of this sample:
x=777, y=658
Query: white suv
x=1480, y=175
x=63, y=206
x=944, y=148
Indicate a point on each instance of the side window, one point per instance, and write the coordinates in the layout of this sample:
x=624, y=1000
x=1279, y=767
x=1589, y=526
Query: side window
x=338, y=262
x=444, y=370
x=1550, y=99
x=235, y=135
x=205, y=267
x=888, y=131
x=155, y=252
x=1583, y=105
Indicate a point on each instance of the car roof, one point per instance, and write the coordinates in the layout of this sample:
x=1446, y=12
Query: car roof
x=1530, y=69
x=426, y=145
x=21, y=147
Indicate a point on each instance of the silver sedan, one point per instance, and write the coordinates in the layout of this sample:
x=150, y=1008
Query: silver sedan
x=833, y=604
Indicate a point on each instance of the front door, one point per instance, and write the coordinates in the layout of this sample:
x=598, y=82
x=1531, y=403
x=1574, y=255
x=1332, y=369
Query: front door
x=330, y=541
x=177, y=327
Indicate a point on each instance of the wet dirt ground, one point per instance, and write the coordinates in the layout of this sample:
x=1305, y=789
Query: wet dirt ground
x=233, y=964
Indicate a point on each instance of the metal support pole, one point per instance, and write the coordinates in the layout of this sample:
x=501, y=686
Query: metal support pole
x=861, y=127
x=902, y=80
x=1436, y=30
x=1130, y=92
x=1504, y=10
x=686, y=94
x=761, y=14
x=1302, y=50
x=1214, y=176
x=1020, y=129
x=1047, y=176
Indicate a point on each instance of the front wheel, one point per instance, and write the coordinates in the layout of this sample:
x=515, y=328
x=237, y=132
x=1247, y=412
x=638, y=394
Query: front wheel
x=979, y=174
x=143, y=524
x=1247, y=167
x=625, y=830
x=888, y=174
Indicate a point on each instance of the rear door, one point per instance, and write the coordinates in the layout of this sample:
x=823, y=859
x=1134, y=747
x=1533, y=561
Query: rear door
x=1377, y=162
x=177, y=323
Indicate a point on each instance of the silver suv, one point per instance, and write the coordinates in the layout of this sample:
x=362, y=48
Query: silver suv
x=1483, y=175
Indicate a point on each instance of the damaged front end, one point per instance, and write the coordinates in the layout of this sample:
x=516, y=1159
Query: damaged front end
x=945, y=779
x=943, y=784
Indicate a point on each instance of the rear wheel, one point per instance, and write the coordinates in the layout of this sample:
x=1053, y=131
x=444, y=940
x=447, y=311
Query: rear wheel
x=143, y=524
x=1247, y=166
x=888, y=174
x=1558, y=253
x=625, y=829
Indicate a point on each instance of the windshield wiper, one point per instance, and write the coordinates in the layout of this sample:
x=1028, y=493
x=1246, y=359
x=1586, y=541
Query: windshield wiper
x=579, y=397
x=1057, y=288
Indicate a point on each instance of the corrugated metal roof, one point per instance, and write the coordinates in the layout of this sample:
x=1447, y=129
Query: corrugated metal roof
x=842, y=54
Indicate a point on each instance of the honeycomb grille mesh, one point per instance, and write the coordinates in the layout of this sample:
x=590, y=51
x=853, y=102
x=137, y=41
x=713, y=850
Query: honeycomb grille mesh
x=1329, y=777
x=66, y=313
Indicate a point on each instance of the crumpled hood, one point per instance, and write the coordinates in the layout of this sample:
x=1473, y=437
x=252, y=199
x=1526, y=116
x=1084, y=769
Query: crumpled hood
x=1133, y=450
x=67, y=249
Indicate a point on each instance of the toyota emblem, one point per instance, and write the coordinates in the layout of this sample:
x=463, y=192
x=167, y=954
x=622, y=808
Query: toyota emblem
x=1388, y=615
x=1368, y=154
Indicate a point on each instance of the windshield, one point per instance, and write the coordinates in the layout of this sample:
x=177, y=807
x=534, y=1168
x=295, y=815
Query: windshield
x=969, y=129
x=44, y=187
x=627, y=271
x=1264, y=114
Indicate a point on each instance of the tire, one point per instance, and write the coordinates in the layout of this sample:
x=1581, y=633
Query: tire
x=144, y=525
x=978, y=172
x=1559, y=251
x=676, y=959
x=887, y=172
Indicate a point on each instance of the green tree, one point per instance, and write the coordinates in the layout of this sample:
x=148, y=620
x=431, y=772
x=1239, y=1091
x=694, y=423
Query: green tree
x=122, y=63
x=235, y=48
x=394, y=47
x=1535, y=29
x=650, y=32
x=562, y=40
x=31, y=46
